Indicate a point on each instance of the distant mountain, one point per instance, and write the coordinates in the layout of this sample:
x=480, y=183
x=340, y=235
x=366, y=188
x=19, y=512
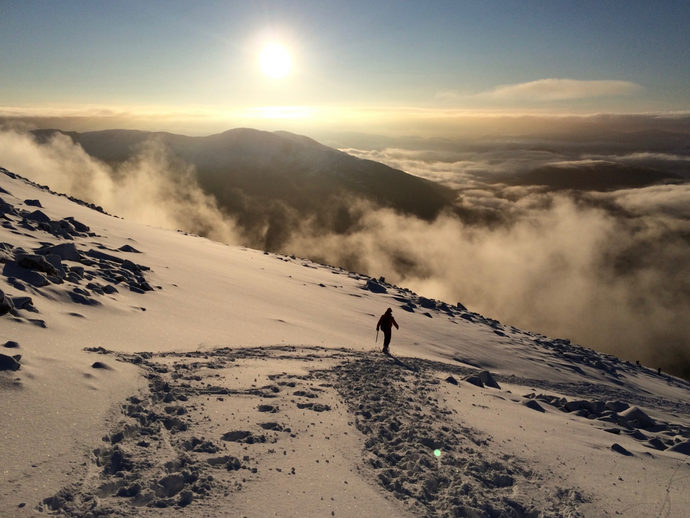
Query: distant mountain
x=597, y=176
x=276, y=180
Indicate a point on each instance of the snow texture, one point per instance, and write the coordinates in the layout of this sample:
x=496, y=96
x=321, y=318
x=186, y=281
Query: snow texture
x=147, y=372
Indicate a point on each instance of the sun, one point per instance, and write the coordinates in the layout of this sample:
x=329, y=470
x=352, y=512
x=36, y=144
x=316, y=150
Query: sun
x=275, y=61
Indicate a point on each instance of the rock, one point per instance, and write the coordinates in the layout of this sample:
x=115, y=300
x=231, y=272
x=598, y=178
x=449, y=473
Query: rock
x=474, y=380
x=6, y=304
x=9, y=363
x=26, y=303
x=80, y=227
x=681, y=447
x=10, y=344
x=634, y=413
x=38, y=217
x=574, y=406
x=533, y=405
x=170, y=485
x=100, y=365
x=129, y=265
x=128, y=248
x=186, y=498
x=375, y=287
x=619, y=449
x=96, y=254
x=452, y=380
x=56, y=262
x=616, y=406
x=427, y=303
x=35, y=262
x=488, y=380
x=33, y=203
x=656, y=443
x=65, y=251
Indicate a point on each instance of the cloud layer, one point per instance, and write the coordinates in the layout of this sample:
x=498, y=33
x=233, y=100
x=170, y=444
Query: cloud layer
x=561, y=89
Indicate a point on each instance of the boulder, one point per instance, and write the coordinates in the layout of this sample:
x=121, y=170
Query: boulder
x=9, y=363
x=6, y=305
x=35, y=262
x=38, y=217
x=65, y=251
x=635, y=414
x=681, y=447
x=488, y=380
x=375, y=287
x=474, y=380
x=616, y=406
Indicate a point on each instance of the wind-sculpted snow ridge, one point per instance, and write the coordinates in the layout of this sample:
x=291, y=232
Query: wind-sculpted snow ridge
x=205, y=433
x=15, y=176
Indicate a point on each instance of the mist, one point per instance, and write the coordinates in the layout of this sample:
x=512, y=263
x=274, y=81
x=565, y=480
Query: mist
x=152, y=187
x=607, y=270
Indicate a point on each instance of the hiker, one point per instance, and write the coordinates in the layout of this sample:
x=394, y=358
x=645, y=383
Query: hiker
x=386, y=323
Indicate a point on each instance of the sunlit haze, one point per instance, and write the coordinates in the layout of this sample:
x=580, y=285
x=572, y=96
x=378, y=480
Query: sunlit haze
x=382, y=67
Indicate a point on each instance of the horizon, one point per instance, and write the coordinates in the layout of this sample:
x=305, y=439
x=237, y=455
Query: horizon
x=398, y=69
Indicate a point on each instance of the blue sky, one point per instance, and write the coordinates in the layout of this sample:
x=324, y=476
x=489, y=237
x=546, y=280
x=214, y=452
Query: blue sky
x=352, y=61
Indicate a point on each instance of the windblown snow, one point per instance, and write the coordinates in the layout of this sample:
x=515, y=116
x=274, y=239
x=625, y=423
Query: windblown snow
x=145, y=371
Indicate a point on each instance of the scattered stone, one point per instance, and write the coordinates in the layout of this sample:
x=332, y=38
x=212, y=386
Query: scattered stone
x=531, y=403
x=33, y=203
x=11, y=344
x=619, y=449
x=451, y=380
x=100, y=365
x=681, y=447
x=66, y=252
x=488, y=380
x=6, y=305
x=474, y=380
x=375, y=287
x=635, y=414
x=9, y=363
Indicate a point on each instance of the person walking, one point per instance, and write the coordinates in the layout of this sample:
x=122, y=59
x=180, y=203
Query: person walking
x=386, y=323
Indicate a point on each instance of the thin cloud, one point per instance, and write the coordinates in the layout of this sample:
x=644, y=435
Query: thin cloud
x=561, y=89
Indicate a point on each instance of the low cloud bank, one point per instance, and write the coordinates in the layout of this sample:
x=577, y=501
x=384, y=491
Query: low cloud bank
x=607, y=270
x=151, y=188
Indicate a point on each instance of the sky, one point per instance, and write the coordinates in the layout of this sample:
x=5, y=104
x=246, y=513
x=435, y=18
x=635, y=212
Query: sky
x=386, y=67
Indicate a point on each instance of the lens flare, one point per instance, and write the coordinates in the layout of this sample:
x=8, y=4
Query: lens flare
x=437, y=453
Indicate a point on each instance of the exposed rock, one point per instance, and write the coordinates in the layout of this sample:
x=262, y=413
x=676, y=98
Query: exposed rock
x=531, y=403
x=634, y=413
x=488, y=380
x=35, y=262
x=65, y=251
x=38, y=216
x=9, y=363
x=474, y=380
x=619, y=449
x=375, y=287
x=6, y=304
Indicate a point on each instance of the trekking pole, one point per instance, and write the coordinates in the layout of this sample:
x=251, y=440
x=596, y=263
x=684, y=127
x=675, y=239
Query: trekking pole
x=377, y=336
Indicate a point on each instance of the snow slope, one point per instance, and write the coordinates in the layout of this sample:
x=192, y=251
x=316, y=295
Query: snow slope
x=163, y=371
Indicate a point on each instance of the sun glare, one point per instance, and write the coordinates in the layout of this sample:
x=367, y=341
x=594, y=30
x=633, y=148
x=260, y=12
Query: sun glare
x=275, y=61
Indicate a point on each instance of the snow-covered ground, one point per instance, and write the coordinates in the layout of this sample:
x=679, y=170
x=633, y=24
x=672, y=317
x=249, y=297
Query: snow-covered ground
x=160, y=371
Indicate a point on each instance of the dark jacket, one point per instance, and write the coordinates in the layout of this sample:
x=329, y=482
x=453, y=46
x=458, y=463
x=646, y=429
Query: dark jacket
x=386, y=322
